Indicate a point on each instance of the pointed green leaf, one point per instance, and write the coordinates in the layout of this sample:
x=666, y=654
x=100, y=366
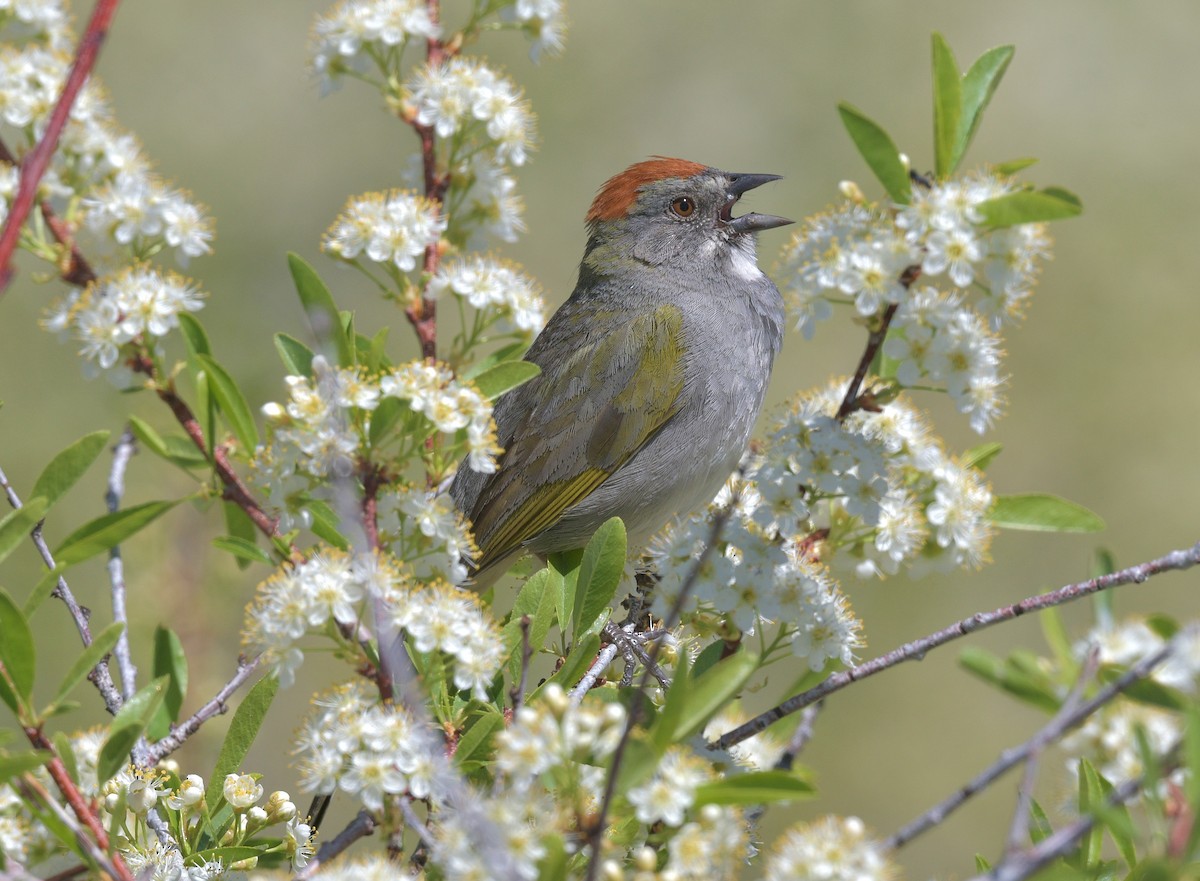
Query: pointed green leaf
x=194, y=335
x=148, y=436
x=18, y=763
x=127, y=726
x=296, y=356
x=981, y=864
x=102, y=644
x=507, y=375
x=325, y=524
x=1055, y=633
x=1119, y=824
x=755, y=788
x=600, y=573
x=42, y=590
x=1008, y=169
x=170, y=662
x=566, y=564
x=709, y=656
x=947, y=106
x=877, y=149
x=104, y=533
x=537, y=600
x=245, y=534
x=1029, y=206
x=576, y=664
x=1191, y=756
x=712, y=690
x=1039, y=824
x=68, y=466
x=16, y=648
x=232, y=403
x=1043, y=512
x=176, y=449
x=982, y=456
x=478, y=736
x=245, y=551
x=206, y=409
x=662, y=732
x=16, y=525
x=511, y=352
x=1091, y=799
x=978, y=86
x=1149, y=691
x=322, y=312
x=247, y=719
x=376, y=349
x=385, y=417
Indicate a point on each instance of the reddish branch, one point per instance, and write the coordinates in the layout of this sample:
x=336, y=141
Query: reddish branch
x=38, y=160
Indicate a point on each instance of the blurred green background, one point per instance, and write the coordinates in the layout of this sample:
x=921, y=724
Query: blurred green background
x=1103, y=398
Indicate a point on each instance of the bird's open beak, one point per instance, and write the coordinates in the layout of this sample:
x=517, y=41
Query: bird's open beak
x=739, y=184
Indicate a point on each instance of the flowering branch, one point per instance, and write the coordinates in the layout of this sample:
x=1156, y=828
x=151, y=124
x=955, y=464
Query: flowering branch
x=1175, y=560
x=38, y=160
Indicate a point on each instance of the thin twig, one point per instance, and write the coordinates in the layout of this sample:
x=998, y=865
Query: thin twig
x=800, y=737
x=588, y=682
x=122, y=453
x=1066, y=719
x=215, y=707
x=916, y=650
x=100, y=676
x=38, y=159
x=361, y=826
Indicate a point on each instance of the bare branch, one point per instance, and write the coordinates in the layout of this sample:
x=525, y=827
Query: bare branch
x=916, y=650
x=215, y=707
x=361, y=826
x=122, y=453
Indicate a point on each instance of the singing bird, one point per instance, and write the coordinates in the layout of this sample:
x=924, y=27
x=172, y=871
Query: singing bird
x=653, y=372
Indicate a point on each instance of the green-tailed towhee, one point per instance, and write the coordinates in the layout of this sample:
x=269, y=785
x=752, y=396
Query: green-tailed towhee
x=653, y=372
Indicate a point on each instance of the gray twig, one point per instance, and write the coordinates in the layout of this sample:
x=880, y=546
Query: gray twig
x=361, y=826
x=122, y=453
x=215, y=707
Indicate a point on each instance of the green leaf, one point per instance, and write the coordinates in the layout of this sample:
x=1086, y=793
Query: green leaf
x=385, y=417
x=978, y=86
x=296, y=356
x=947, y=106
x=576, y=663
x=511, y=352
x=708, y=656
x=755, y=788
x=16, y=525
x=325, y=524
x=232, y=403
x=1039, y=824
x=1042, y=512
x=600, y=572
x=127, y=726
x=16, y=651
x=566, y=564
x=193, y=335
x=1091, y=798
x=68, y=466
x=1148, y=691
x=1191, y=760
x=877, y=149
x=478, y=736
x=18, y=763
x=170, y=663
x=1119, y=824
x=247, y=719
x=662, y=732
x=507, y=375
x=176, y=449
x=102, y=644
x=322, y=312
x=1055, y=633
x=981, y=864
x=1019, y=675
x=537, y=599
x=104, y=533
x=243, y=550
x=245, y=534
x=713, y=689
x=376, y=349
x=42, y=590
x=1030, y=206
x=1008, y=169
x=982, y=456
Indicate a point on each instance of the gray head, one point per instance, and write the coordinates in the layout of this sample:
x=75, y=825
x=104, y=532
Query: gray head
x=673, y=213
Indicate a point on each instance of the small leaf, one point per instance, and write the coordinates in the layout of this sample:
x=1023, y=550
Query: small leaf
x=708, y=656
x=170, y=662
x=755, y=788
x=711, y=691
x=982, y=456
x=507, y=375
x=42, y=590
x=981, y=864
x=478, y=736
x=537, y=599
x=1029, y=206
x=600, y=573
x=322, y=312
x=232, y=403
x=194, y=335
x=1091, y=798
x=244, y=550
x=566, y=564
x=106, y=532
x=247, y=719
x=1119, y=824
x=16, y=648
x=243, y=531
x=176, y=449
x=877, y=149
x=947, y=106
x=1008, y=169
x=1149, y=692
x=68, y=466
x=511, y=352
x=296, y=356
x=102, y=644
x=19, y=763
x=127, y=726
x=1039, y=826
x=16, y=525
x=576, y=663
x=1043, y=512
x=978, y=86
x=385, y=417
x=662, y=733
x=325, y=524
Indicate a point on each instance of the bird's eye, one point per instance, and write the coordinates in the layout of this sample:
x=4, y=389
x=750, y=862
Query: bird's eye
x=683, y=207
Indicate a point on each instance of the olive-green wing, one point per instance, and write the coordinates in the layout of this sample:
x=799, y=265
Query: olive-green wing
x=601, y=396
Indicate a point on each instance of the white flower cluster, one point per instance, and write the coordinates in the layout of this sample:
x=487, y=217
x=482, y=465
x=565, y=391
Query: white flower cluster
x=1108, y=737
x=137, y=305
x=544, y=21
x=331, y=587
x=880, y=484
x=391, y=228
x=553, y=732
x=427, y=531
x=671, y=790
x=944, y=332
x=345, y=39
x=753, y=575
x=495, y=285
x=319, y=430
x=463, y=91
x=97, y=166
x=832, y=849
